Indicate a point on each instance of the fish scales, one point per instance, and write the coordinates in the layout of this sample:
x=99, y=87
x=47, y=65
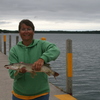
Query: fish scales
x=28, y=67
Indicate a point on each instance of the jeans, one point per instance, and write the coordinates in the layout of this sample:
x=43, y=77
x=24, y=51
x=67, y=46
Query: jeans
x=45, y=97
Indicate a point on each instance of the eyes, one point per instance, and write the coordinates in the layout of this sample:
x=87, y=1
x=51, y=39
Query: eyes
x=26, y=29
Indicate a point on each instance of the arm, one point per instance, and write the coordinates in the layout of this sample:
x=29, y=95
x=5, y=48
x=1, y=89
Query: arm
x=14, y=59
x=50, y=52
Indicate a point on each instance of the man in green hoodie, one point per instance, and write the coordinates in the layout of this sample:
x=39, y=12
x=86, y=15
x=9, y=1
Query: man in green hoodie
x=34, y=51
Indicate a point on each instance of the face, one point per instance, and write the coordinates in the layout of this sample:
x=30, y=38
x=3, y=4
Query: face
x=26, y=33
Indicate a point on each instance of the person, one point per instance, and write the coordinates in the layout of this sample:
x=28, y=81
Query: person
x=37, y=52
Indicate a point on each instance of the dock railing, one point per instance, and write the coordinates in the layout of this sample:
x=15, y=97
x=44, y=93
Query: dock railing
x=4, y=42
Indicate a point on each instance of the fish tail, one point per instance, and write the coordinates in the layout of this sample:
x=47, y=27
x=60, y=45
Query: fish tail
x=56, y=74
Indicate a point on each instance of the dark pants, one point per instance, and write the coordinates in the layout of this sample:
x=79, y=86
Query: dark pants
x=45, y=97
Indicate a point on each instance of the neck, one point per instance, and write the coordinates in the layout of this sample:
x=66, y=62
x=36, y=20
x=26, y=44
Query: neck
x=27, y=43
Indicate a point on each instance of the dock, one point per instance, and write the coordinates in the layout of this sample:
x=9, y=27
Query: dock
x=6, y=84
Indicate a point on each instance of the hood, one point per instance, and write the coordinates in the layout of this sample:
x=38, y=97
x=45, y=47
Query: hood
x=34, y=42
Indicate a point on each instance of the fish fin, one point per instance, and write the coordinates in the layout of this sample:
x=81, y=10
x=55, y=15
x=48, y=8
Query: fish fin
x=55, y=74
x=16, y=72
x=48, y=73
x=32, y=74
x=48, y=65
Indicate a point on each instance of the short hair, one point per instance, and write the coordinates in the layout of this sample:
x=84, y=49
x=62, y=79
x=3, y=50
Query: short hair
x=26, y=22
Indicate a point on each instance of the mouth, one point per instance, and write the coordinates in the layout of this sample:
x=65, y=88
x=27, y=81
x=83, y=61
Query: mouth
x=26, y=35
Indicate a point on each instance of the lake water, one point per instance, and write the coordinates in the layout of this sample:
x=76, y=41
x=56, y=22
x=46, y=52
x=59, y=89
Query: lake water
x=86, y=63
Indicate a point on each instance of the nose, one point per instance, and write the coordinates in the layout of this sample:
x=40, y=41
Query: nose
x=26, y=30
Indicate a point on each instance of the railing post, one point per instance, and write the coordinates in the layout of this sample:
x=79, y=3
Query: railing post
x=17, y=39
x=9, y=42
x=4, y=39
x=0, y=43
x=69, y=71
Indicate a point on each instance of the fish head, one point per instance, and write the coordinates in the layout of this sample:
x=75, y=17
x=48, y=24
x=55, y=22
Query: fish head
x=11, y=66
x=6, y=66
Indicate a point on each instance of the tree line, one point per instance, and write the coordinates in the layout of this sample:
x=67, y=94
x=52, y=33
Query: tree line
x=55, y=31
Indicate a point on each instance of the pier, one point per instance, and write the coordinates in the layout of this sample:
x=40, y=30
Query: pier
x=6, y=84
x=56, y=93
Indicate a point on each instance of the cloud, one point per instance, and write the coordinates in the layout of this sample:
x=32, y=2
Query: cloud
x=4, y=22
x=51, y=11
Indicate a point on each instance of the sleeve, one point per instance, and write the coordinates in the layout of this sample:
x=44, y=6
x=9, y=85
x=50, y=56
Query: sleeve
x=13, y=59
x=50, y=51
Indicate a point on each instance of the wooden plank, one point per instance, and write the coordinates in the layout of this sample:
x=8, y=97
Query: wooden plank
x=5, y=80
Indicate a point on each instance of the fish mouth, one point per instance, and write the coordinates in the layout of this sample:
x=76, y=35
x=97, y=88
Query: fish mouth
x=6, y=66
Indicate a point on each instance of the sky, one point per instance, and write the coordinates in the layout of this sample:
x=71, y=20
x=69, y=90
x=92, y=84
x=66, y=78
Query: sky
x=69, y=15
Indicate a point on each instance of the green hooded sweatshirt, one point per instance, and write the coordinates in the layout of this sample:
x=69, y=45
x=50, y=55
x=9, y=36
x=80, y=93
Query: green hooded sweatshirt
x=23, y=83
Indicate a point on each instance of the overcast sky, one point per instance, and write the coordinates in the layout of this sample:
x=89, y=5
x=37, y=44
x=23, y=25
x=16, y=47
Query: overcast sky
x=51, y=14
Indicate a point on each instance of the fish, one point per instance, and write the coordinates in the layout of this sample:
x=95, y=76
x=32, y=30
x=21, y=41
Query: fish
x=28, y=67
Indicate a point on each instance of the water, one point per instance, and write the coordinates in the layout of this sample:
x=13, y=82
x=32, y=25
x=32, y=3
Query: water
x=86, y=63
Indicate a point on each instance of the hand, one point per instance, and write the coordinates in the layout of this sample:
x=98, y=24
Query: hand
x=22, y=70
x=38, y=64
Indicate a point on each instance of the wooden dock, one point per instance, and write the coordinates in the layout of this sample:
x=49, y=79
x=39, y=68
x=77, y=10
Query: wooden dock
x=6, y=84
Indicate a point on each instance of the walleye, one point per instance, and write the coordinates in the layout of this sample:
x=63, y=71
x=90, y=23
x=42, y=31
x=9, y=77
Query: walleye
x=28, y=67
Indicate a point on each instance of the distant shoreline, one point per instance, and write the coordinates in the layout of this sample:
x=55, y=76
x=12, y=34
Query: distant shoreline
x=55, y=32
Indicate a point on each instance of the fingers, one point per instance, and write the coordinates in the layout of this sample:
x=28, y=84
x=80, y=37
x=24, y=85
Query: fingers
x=38, y=64
x=21, y=62
x=22, y=70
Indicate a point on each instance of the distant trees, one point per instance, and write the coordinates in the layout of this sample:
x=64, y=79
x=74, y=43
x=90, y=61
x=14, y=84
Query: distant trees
x=8, y=31
x=55, y=32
